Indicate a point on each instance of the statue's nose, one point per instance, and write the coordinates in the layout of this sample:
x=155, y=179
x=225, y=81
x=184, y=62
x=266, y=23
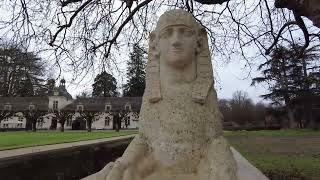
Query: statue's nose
x=176, y=40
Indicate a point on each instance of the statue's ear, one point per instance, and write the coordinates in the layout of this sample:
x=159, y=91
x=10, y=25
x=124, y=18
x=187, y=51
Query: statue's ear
x=200, y=41
x=153, y=70
x=204, y=79
x=153, y=44
x=152, y=37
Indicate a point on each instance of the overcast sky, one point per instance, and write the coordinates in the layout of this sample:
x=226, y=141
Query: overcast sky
x=229, y=77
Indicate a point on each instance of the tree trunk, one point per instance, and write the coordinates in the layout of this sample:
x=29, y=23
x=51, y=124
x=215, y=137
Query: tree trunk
x=34, y=126
x=117, y=127
x=308, y=8
x=291, y=119
x=28, y=124
x=89, y=125
x=62, y=127
x=307, y=113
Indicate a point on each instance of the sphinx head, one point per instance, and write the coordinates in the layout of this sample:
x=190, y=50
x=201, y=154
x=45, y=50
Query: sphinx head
x=178, y=40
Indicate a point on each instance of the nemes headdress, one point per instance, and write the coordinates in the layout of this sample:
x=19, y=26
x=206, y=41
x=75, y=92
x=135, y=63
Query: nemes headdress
x=204, y=79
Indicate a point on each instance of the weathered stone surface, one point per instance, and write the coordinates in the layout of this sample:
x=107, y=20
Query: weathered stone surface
x=180, y=137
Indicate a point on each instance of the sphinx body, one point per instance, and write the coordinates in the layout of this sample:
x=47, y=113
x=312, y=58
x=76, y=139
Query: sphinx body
x=180, y=135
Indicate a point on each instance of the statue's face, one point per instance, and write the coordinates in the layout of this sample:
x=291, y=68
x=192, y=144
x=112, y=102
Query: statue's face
x=177, y=45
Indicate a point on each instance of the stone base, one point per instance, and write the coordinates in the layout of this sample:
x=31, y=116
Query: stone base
x=245, y=170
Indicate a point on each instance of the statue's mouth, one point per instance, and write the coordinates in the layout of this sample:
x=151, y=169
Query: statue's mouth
x=176, y=50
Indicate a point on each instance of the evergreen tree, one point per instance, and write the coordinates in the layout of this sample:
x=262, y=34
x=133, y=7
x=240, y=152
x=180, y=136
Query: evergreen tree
x=20, y=73
x=105, y=85
x=291, y=76
x=135, y=73
x=288, y=75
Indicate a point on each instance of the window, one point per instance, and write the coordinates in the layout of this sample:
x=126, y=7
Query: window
x=107, y=108
x=7, y=107
x=107, y=121
x=127, y=107
x=69, y=122
x=79, y=107
x=31, y=107
x=20, y=119
x=55, y=105
x=128, y=121
x=55, y=92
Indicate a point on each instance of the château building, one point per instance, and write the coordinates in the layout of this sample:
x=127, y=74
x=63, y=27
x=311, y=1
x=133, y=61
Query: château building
x=59, y=99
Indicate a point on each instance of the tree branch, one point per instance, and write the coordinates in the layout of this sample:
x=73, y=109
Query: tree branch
x=279, y=34
x=66, y=2
x=70, y=22
x=112, y=41
x=211, y=1
x=304, y=29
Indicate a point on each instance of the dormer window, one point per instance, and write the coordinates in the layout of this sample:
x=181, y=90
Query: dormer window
x=7, y=107
x=31, y=107
x=107, y=108
x=79, y=107
x=55, y=105
x=127, y=107
x=56, y=91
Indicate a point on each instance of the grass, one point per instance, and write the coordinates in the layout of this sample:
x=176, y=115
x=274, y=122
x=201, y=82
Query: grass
x=281, y=155
x=13, y=140
x=275, y=133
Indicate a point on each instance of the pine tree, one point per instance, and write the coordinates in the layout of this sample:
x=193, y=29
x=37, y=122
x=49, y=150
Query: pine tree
x=20, y=72
x=288, y=75
x=135, y=73
x=105, y=85
x=291, y=76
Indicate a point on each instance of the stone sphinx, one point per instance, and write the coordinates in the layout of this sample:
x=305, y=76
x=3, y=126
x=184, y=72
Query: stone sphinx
x=180, y=137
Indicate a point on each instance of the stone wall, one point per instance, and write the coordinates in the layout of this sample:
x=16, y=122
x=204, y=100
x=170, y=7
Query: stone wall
x=67, y=164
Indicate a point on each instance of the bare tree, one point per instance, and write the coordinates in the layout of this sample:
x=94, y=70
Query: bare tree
x=4, y=114
x=63, y=116
x=89, y=117
x=89, y=34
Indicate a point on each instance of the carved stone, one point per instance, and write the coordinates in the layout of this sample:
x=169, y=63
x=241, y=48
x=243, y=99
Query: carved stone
x=180, y=137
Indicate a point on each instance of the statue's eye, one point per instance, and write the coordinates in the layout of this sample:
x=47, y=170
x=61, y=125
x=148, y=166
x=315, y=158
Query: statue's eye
x=166, y=33
x=185, y=32
x=189, y=33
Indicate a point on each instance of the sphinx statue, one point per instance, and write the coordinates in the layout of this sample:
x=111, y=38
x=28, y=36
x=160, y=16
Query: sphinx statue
x=180, y=135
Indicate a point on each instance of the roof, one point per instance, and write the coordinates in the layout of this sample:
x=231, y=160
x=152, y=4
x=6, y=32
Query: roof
x=22, y=103
x=63, y=92
x=99, y=103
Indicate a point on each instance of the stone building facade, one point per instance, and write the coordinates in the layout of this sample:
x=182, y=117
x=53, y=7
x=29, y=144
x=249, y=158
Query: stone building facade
x=59, y=100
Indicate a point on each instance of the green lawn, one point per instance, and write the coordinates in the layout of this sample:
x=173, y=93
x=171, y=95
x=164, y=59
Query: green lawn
x=275, y=133
x=281, y=155
x=13, y=140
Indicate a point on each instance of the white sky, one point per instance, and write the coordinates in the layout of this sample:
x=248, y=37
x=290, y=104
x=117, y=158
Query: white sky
x=228, y=77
